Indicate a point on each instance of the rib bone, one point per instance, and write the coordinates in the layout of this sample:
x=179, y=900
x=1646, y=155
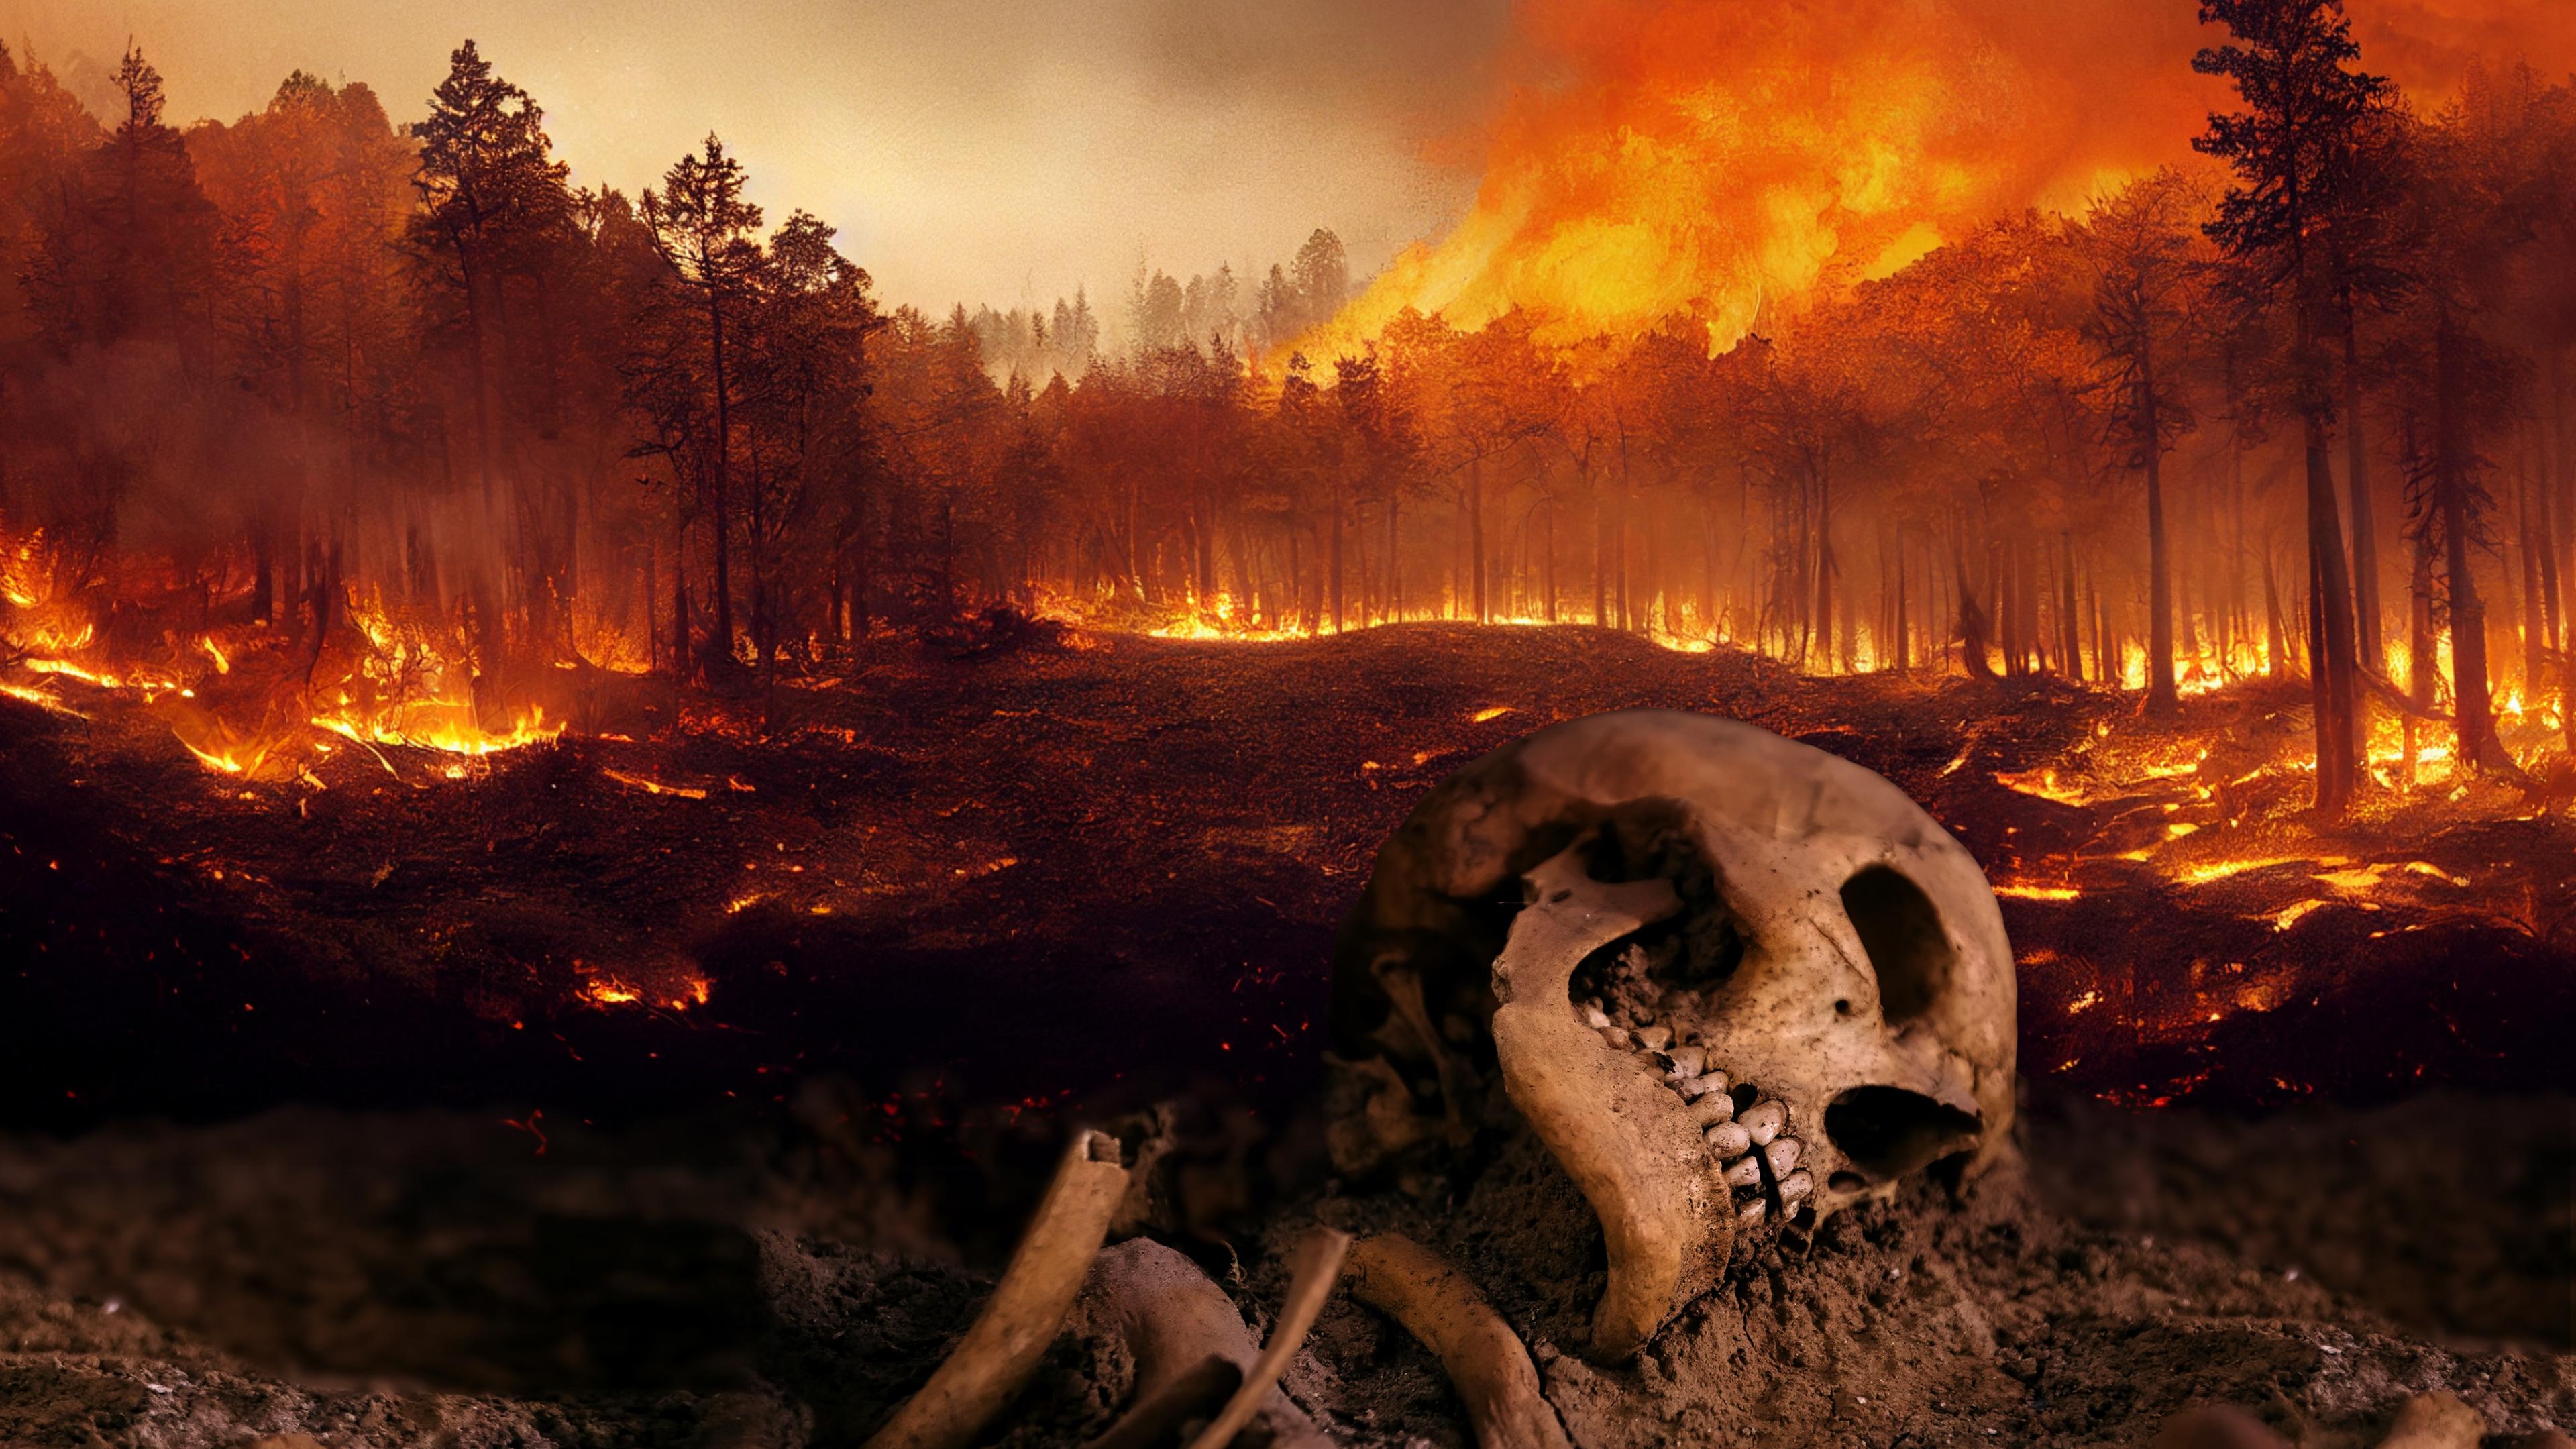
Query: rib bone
x=1640, y=1164
x=1010, y=1335
x=1484, y=1359
x=1175, y=1321
x=1319, y=1262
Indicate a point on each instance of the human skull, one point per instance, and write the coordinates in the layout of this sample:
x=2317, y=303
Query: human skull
x=1726, y=980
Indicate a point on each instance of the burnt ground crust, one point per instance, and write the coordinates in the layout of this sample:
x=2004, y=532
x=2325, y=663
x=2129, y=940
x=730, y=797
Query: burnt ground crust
x=1130, y=859
x=1060, y=883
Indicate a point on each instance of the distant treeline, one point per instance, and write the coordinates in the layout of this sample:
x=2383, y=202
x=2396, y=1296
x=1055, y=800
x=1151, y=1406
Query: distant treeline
x=2301, y=411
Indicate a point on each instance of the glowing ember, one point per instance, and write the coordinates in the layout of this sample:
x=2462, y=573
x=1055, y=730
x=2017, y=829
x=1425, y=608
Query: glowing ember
x=41, y=700
x=2042, y=783
x=654, y=787
x=2291, y=915
x=2209, y=870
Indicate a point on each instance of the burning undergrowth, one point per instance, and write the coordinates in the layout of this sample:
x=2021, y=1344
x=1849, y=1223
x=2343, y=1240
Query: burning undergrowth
x=684, y=897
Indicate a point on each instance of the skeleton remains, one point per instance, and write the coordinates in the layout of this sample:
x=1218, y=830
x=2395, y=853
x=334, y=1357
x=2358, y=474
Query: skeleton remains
x=1729, y=982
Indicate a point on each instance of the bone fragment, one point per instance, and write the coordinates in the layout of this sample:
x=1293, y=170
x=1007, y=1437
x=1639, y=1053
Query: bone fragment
x=1319, y=1263
x=1750, y=1215
x=1484, y=1359
x=1782, y=1154
x=1744, y=1172
x=1658, y=1036
x=1728, y=1140
x=1796, y=1186
x=1010, y=1335
x=1151, y=1419
x=1595, y=1018
x=1618, y=1039
x=1640, y=1165
x=1764, y=1120
x=1175, y=1321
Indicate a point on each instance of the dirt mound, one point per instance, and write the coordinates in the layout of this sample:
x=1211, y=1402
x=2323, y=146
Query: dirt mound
x=375, y=1281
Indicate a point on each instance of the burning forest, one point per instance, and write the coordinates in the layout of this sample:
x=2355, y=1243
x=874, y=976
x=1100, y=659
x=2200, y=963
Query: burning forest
x=591, y=799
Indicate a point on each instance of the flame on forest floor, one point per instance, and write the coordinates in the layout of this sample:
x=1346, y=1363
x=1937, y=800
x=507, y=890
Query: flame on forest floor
x=438, y=725
x=613, y=990
x=2042, y=783
x=51, y=704
x=2203, y=872
x=653, y=787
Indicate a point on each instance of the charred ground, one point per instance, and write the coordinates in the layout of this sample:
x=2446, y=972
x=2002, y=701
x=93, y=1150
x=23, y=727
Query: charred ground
x=669, y=1070
x=1115, y=859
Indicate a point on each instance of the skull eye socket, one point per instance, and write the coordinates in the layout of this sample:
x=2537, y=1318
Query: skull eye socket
x=1908, y=950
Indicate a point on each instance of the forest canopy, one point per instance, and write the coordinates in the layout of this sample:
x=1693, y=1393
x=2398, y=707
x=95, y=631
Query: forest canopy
x=2296, y=409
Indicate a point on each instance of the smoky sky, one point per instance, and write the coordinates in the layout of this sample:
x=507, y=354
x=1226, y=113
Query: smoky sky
x=997, y=151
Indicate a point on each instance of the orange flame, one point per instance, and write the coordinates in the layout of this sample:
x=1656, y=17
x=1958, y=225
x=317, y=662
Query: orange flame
x=1653, y=159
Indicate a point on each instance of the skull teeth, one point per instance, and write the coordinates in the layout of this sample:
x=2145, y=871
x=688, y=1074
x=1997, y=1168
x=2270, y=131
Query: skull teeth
x=1687, y=1071
x=1782, y=1154
x=1765, y=1120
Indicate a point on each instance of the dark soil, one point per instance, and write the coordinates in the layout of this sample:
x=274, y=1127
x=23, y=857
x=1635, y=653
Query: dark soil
x=2293, y=1144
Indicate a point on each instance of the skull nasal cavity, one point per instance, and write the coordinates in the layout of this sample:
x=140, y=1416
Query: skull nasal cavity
x=1888, y=1132
x=1902, y=934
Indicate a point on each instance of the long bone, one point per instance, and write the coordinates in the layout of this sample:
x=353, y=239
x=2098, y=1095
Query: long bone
x=1483, y=1357
x=1190, y=1346
x=1640, y=1163
x=1002, y=1348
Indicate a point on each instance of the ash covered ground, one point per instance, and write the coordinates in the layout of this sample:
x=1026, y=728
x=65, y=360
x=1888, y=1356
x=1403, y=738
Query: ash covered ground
x=685, y=1081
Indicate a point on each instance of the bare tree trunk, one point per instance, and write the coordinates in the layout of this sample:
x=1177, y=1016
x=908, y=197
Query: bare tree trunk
x=1334, y=565
x=2070, y=650
x=1550, y=545
x=2161, y=697
x=2275, y=627
x=683, y=662
x=2333, y=682
x=1904, y=626
x=2475, y=737
x=2422, y=662
x=1824, y=565
x=1476, y=536
x=2365, y=527
x=1394, y=557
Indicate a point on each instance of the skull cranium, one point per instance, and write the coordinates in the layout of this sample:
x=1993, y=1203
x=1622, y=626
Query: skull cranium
x=1724, y=978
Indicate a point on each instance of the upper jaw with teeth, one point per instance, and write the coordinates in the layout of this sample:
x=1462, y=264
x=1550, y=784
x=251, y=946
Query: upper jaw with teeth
x=1759, y=1160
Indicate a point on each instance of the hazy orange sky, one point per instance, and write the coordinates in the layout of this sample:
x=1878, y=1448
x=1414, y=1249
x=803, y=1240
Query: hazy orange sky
x=985, y=150
x=1005, y=150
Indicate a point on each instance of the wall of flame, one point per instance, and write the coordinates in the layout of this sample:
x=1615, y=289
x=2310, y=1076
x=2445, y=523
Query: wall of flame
x=1721, y=159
